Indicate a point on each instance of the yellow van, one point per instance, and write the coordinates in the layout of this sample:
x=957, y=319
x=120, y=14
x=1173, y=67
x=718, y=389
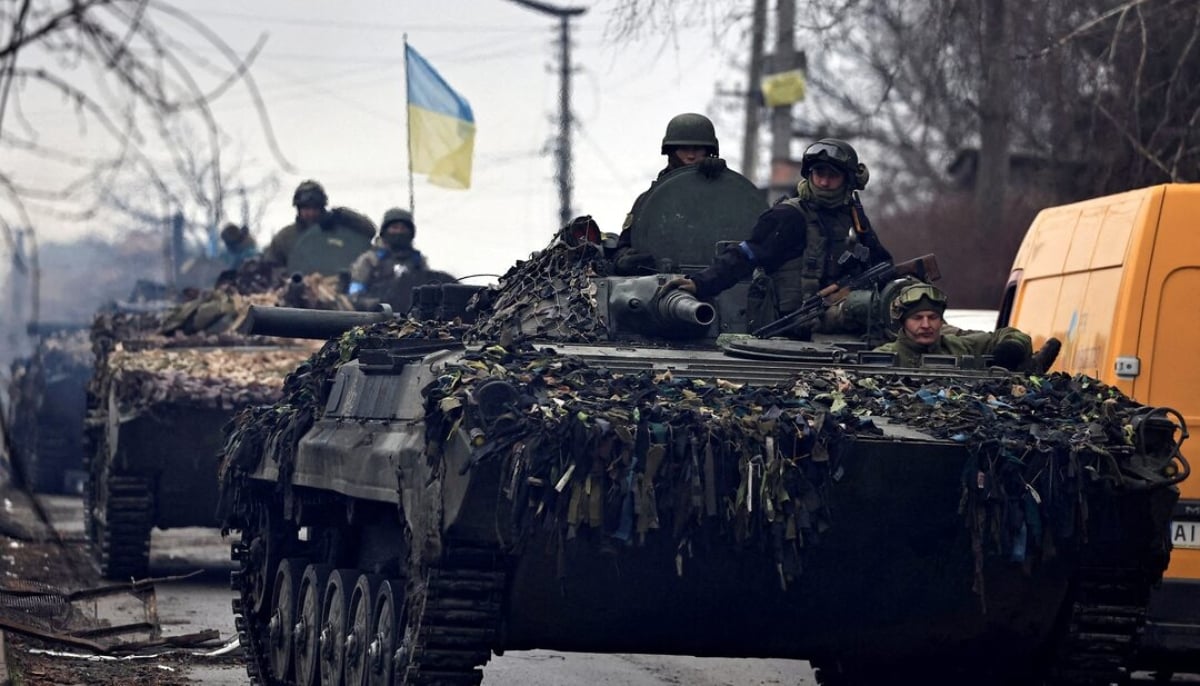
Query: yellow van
x=1117, y=280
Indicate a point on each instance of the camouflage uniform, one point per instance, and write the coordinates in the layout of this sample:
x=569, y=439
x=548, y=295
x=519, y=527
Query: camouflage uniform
x=909, y=352
x=389, y=272
x=311, y=194
x=800, y=242
x=1011, y=347
x=381, y=263
x=281, y=244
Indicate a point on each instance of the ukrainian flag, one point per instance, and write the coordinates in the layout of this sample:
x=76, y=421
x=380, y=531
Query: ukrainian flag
x=441, y=127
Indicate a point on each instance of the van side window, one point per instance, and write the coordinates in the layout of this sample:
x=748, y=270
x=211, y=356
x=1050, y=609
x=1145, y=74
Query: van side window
x=1006, y=305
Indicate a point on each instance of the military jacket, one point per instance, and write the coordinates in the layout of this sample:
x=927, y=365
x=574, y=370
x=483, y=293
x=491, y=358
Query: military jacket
x=624, y=241
x=280, y=247
x=381, y=264
x=799, y=244
x=909, y=352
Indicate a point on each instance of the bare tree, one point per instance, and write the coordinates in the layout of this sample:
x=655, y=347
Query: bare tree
x=132, y=95
x=973, y=114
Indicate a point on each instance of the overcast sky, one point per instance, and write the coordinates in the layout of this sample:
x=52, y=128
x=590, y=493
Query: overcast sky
x=332, y=75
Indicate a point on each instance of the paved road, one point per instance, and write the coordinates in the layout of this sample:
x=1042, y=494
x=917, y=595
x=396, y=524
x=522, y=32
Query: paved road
x=203, y=602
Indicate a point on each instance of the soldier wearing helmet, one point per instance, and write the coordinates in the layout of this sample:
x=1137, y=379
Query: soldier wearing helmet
x=689, y=139
x=239, y=245
x=801, y=244
x=392, y=267
x=311, y=202
x=917, y=312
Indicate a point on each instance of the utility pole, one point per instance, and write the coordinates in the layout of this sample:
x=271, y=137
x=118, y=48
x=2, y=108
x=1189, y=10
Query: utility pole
x=781, y=117
x=753, y=97
x=563, y=147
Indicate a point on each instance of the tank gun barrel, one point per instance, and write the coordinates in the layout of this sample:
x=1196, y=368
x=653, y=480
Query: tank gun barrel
x=294, y=322
x=638, y=305
x=682, y=307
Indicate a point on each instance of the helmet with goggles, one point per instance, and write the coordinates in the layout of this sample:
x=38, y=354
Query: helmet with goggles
x=837, y=153
x=916, y=298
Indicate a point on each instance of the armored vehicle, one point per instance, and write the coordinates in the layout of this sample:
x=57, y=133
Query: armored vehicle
x=48, y=409
x=592, y=466
x=165, y=384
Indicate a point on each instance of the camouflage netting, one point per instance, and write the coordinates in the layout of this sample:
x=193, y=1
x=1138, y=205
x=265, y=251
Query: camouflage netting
x=216, y=377
x=550, y=295
x=224, y=308
x=617, y=458
x=624, y=455
x=192, y=355
x=276, y=429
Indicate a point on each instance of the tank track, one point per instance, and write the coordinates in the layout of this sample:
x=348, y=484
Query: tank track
x=249, y=630
x=457, y=605
x=124, y=532
x=454, y=619
x=1105, y=624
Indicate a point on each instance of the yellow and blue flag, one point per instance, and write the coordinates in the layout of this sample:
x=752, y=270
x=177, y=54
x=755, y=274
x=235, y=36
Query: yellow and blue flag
x=441, y=127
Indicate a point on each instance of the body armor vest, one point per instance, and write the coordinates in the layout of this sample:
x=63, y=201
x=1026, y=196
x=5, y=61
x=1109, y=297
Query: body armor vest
x=825, y=238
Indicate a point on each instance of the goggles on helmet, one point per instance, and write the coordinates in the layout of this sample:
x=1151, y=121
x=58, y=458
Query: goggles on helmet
x=913, y=295
x=829, y=151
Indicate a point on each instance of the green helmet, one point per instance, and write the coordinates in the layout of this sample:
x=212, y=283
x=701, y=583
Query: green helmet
x=690, y=129
x=916, y=298
x=310, y=194
x=397, y=214
x=833, y=151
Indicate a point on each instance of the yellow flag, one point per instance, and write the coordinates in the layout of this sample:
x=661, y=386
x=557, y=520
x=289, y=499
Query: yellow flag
x=784, y=88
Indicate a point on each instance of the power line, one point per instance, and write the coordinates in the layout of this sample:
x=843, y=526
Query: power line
x=369, y=25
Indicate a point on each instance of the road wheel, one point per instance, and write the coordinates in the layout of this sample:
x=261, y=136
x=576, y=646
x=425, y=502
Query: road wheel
x=305, y=653
x=387, y=613
x=282, y=624
x=331, y=640
x=358, y=634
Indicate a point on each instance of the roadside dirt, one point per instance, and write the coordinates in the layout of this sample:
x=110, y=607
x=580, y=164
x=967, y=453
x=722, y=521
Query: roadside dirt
x=32, y=560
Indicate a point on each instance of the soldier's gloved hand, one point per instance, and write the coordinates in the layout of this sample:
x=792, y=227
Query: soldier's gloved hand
x=1010, y=354
x=632, y=262
x=710, y=167
x=1044, y=358
x=682, y=283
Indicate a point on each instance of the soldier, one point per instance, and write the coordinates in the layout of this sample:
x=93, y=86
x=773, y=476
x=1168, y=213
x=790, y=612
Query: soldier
x=803, y=243
x=917, y=313
x=392, y=267
x=310, y=202
x=239, y=245
x=690, y=139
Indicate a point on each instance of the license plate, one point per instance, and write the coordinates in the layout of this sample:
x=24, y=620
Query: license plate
x=1185, y=534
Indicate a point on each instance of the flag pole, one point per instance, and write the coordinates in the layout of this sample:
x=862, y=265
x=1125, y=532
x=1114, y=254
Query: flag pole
x=408, y=131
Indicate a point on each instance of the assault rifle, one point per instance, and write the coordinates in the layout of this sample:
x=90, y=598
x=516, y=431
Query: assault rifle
x=924, y=268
